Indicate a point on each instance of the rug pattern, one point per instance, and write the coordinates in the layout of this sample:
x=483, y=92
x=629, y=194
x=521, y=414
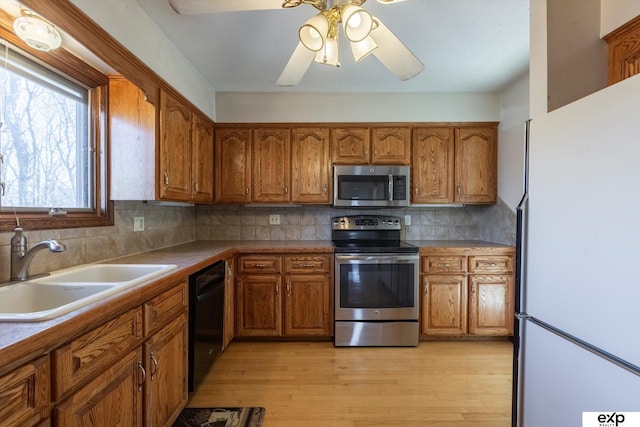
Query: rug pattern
x=220, y=417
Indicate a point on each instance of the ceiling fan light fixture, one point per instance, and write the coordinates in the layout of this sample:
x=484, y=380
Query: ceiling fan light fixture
x=357, y=23
x=37, y=32
x=313, y=34
x=363, y=48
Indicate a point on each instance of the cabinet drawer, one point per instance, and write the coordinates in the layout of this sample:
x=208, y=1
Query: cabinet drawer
x=260, y=264
x=77, y=361
x=444, y=264
x=24, y=394
x=307, y=264
x=164, y=307
x=491, y=264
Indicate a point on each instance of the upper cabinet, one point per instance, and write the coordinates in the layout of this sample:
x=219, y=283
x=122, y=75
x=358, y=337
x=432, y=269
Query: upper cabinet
x=233, y=165
x=175, y=149
x=167, y=150
x=454, y=165
x=310, y=166
x=624, y=51
x=363, y=145
x=271, y=165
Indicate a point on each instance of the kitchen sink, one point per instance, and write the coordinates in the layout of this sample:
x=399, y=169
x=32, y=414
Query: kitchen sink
x=67, y=290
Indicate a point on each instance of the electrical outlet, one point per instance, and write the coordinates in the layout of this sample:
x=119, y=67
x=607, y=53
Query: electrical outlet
x=407, y=220
x=138, y=223
x=274, y=219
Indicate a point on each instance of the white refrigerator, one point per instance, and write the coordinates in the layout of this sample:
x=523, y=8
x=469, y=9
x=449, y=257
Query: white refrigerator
x=577, y=337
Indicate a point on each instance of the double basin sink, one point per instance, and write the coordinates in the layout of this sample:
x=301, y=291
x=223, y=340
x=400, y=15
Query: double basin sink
x=66, y=290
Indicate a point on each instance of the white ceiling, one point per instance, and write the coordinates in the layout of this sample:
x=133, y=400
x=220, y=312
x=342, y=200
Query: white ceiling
x=465, y=45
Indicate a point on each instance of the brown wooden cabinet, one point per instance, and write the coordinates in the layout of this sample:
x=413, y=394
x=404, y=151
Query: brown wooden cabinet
x=432, y=165
x=271, y=159
x=377, y=145
x=294, y=302
x=233, y=165
x=310, y=167
x=167, y=151
x=202, y=160
x=112, y=367
x=229, y=304
x=624, y=51
x=454, y=165
x=25, y=394
x=467, y=292
x=174, y=140
x=476, y=163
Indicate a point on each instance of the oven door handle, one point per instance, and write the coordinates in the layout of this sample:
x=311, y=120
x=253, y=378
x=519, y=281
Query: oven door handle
x=376, y=258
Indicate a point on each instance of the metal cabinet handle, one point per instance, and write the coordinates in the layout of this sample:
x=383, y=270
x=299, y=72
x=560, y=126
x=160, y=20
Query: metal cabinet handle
x=426, y=289
x=416, y=190
x=246, y=192
x=366, y=152
x=286, y=189
x=144, y=375
x=459, y=189
x=260, y=265
x=277, y=290
x=288, y=288
x=154, y=372
x=166, y=179
x=325, y=189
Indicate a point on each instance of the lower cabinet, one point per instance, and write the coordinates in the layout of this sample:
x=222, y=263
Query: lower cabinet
x=25, y=394
x=290, y=301
x=465, y=292
x=131, y=371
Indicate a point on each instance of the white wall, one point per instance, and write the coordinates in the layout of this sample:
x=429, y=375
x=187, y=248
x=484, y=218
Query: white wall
x=130, y=25
x=356, y=107
x=514, y=112
x=617, y=12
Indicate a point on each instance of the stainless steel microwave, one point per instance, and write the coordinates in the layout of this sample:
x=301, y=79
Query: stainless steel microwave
x=371, y=186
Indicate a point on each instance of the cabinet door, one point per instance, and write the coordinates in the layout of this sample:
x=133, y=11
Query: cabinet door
x=476, y=165
x=308, y=305
x=444, y=305
x=114, y=398
x=202, y=160
x=132, y=142
x=432, y=165
x=350, y=146
x=310, y=170
x=175, y=149
x=166, y=365
x=258, y=306
x=229, y=300
x=271, y=172
x=391, y=146
x=233, y=165
x=491, y=304
x=25, y=394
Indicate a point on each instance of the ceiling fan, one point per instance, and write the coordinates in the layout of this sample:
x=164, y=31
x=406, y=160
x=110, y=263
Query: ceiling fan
x=319, y=35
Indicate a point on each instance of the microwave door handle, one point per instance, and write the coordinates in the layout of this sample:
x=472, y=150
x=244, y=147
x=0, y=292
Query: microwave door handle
x=391, y=188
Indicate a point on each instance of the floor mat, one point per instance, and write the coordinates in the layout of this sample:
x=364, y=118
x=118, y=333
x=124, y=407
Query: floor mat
x=220, y=417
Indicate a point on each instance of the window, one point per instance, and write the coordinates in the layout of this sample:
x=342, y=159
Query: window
x=50, y=146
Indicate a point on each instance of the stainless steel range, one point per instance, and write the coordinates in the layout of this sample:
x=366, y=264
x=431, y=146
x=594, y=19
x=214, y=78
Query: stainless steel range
x=376, y=282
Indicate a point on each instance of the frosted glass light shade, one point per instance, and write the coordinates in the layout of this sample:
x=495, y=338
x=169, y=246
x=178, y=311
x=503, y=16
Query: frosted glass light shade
x=37, y=33
x=329, y=55
x=363, y=48
x=357, y=23
x=314, y=32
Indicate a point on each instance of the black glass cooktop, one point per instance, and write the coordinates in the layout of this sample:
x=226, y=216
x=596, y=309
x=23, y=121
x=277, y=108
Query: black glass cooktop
x=374, y=246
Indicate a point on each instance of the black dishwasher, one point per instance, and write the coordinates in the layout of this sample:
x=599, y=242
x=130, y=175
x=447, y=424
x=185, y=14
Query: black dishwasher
x=206, y=320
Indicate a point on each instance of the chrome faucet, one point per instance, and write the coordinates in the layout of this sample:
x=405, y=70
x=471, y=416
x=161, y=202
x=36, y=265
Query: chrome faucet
x=21, y=257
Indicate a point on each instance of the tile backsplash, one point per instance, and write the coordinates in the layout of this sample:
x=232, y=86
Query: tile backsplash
x=492, y=223
x=172, y=225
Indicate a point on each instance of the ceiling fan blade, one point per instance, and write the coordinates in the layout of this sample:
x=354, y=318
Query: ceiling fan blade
x=297, y=66
x=394, y=54
x=192, y=7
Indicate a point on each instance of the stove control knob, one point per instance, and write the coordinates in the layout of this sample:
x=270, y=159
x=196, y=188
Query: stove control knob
x=396, y=222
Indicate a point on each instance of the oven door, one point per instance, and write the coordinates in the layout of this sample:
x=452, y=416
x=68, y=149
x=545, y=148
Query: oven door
x=376, y=287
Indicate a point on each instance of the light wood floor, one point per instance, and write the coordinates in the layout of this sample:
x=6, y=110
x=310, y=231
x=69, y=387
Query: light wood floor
x=315, y=384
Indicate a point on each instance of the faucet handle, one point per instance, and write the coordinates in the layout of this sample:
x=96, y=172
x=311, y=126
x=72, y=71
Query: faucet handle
x=19, y=240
